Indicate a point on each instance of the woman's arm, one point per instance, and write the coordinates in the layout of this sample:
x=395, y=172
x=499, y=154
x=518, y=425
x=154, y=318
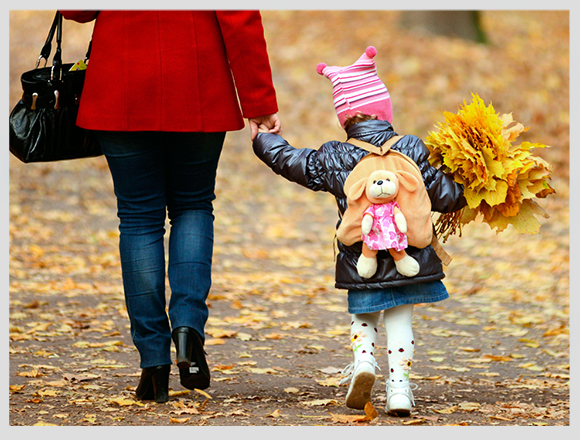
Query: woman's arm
x=243, y=36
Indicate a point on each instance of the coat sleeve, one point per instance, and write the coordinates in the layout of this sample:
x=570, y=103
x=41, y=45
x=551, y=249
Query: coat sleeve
x=247, y=53
x=446, y=195
x=80, y=16
x=298, y=165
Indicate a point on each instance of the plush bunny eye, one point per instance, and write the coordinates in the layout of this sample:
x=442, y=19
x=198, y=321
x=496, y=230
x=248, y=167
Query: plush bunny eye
x=374, y=181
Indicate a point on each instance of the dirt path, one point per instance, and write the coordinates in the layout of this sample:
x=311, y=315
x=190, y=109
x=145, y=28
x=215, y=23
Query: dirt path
x=277, y=334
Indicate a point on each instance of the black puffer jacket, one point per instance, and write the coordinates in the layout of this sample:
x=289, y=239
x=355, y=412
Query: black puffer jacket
x=327, y=168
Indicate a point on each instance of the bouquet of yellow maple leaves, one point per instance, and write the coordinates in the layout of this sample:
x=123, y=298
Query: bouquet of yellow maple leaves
x=500, y=179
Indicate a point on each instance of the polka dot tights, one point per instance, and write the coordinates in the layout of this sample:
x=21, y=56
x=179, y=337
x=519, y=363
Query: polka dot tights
x=400, y=340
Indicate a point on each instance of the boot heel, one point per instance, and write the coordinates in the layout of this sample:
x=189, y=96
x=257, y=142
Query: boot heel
x=193, y=368
x=184, y=348
x=154, y=384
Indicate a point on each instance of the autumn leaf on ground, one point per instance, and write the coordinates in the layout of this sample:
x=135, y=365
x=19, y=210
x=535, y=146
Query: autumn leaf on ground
x=321, y=402
x=121, y=401
x=203, y=393
x=370, y=415
x=275, y=414
x=370, y=411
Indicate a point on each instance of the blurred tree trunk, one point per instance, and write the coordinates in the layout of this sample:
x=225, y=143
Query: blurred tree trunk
x=460, y=24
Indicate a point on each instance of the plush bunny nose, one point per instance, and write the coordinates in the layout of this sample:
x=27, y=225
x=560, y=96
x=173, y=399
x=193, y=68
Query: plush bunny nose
x=379, y=182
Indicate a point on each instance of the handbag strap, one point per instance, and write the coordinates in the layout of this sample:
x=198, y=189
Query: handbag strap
x=46, y=49
x=56, y=27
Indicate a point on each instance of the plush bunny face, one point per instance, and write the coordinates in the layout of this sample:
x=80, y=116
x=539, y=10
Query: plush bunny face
x=382, y=186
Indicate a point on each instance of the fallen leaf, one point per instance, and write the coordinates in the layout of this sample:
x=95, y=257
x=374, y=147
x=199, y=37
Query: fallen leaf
x=121, y=401
x=347, y=418
x=203, y=393
x=291, y=390
x=179, y=393
x=370, y=411
x=275, y=414
x=321, y=402
x=469, y=406
x=329, y=382
x=16, y=388
x=330, y=370
x=449, y=410
x=413, y=422
x=47, y=393
x=214, y=341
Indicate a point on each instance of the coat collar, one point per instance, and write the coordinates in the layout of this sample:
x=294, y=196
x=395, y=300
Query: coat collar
x=374, y=131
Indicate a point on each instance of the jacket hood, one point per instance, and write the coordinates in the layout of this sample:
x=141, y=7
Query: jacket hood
x=374, y=131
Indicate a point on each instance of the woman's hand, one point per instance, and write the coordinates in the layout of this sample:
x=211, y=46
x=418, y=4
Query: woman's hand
x=265, y=124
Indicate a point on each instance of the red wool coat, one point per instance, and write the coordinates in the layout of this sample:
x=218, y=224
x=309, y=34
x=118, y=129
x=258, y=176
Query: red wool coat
x=172, y=71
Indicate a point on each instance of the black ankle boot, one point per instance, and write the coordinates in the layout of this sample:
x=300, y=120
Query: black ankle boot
x=154, y=384
x=193, y=369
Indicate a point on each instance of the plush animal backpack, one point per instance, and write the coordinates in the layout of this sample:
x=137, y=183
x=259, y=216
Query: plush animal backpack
x=414, y=203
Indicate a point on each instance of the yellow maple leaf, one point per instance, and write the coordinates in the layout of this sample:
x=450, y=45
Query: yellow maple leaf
x=500, y=179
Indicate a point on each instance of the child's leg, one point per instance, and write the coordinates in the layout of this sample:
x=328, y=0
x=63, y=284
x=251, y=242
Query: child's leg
x=400, y=351
x=363, y=337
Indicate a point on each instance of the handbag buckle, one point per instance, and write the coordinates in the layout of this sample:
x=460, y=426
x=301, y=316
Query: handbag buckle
x=52, y=74
x=38, y=61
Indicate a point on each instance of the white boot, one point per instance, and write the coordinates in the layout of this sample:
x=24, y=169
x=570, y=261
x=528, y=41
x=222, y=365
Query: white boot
x=399, y=399
x=407, y=266
x=361, y=375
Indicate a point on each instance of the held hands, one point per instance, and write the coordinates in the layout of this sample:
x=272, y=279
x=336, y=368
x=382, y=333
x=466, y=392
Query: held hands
x=265, y=124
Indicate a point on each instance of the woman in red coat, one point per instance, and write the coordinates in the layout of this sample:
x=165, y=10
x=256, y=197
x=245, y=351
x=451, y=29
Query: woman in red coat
x=161, y=90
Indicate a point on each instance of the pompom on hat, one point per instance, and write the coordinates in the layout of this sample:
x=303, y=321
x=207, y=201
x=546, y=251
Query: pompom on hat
x=357, y=88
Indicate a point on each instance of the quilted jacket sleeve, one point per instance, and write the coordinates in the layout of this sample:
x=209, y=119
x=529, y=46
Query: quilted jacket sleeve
x=446, y=195
x=300, y=165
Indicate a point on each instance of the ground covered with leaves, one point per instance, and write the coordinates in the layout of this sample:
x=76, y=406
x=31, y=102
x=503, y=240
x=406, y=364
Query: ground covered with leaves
x=495, y=353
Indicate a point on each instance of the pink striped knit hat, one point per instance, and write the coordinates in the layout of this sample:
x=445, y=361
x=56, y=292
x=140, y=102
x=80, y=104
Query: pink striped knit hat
x=357, y=88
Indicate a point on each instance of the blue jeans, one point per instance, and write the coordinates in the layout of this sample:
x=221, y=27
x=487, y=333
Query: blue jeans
x=155, y=175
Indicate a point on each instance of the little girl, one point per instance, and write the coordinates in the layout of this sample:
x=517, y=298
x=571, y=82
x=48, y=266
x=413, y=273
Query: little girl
x=364, y=109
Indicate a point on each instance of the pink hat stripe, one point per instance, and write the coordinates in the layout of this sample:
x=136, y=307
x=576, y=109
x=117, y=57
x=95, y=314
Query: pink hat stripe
x=354, y=98
x=357, y=88
x=368, y=103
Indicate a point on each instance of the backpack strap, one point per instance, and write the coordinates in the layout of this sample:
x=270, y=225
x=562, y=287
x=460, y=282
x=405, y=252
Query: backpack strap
x=441, y=253
x=367, y=146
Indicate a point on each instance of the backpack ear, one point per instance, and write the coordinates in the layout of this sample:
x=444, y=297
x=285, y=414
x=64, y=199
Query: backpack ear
x=407, y=180
x=357, y=189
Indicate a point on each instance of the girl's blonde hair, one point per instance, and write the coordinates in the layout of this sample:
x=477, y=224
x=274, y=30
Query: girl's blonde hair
x=355, y=119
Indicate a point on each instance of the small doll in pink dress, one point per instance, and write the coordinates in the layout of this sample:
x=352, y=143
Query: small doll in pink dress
x=384, y=225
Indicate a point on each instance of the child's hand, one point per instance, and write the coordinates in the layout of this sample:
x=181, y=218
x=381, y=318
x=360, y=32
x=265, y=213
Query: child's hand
x=265, y=124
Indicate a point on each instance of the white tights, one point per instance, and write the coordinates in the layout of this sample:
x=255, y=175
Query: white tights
x=400, y=342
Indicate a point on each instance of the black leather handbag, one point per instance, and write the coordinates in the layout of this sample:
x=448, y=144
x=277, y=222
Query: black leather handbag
x=43, y=123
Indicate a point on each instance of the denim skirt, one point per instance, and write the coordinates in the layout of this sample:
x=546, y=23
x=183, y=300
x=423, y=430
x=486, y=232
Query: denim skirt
x=374, y=300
